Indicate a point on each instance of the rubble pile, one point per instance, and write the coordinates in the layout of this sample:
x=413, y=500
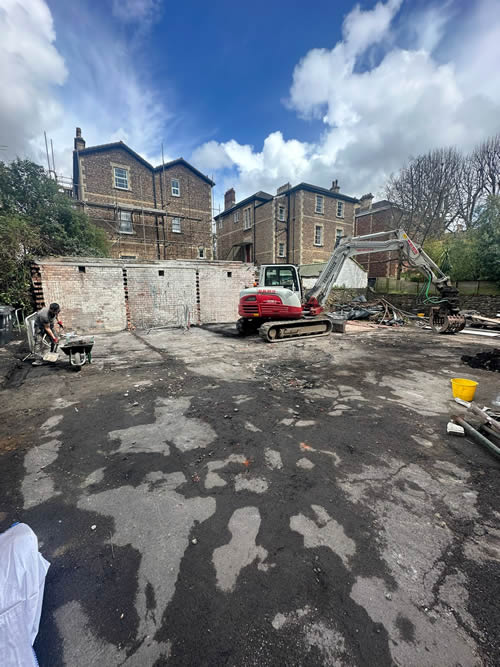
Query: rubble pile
x=379, y=311
x=489, y=360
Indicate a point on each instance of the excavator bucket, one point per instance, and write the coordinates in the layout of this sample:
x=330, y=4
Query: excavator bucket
x=446, y=324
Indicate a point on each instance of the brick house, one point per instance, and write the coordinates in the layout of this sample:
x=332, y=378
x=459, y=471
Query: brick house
x=297, y=225
x=371, y=218
x=148, y=212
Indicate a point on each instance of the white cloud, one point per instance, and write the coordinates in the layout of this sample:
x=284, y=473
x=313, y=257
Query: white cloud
x=136, y=10
x=30, y=70
x=388, y=90
x=91, y=77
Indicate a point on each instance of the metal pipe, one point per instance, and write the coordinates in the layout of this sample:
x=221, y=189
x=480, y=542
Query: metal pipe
x=485, y=418
x=478, y=437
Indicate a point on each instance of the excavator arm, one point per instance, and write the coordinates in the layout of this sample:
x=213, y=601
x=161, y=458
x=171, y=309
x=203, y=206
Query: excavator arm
x=445, y=317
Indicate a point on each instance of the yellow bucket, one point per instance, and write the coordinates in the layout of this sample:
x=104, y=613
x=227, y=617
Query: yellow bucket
x=463, y=388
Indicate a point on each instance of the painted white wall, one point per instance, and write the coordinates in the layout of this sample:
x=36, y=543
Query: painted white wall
x=351, y=276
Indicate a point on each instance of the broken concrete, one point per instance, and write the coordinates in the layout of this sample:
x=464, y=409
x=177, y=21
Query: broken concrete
x=190, y=519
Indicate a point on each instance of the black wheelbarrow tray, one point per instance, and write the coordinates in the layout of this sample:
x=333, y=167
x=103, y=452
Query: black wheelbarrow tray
x=78, y=349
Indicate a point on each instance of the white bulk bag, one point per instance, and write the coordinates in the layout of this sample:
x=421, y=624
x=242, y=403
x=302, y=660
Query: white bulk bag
x=22, y=578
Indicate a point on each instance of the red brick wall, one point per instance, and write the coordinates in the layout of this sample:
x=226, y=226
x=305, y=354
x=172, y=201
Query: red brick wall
x=153, y=236
x=378, y=264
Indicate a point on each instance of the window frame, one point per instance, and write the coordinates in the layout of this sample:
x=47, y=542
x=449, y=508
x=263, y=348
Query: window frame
x=172, y=187
x=338, y=238
x=342, y=209
x=279, y=271
x=321, y=209
x=201, y=253
x=321, y=244
x=130, y=220
x=236, y=217
x=281, y=249
x=178, y=220
x=247, y=223
x=126, y=171
x=281, y=213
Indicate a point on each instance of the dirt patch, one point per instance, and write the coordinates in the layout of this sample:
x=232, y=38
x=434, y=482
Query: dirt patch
x=489, y=360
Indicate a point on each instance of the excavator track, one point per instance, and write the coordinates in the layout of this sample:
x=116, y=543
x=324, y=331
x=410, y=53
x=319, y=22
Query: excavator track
x=279, y=331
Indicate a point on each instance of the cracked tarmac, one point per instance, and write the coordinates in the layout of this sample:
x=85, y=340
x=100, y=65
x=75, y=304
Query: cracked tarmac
x=253, y=504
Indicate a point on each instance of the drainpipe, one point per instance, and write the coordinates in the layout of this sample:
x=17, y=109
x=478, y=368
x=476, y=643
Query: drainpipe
x=254, y=236
x=156, y=219
x=288, y=227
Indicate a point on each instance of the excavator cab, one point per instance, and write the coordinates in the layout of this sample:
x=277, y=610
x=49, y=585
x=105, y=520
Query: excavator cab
x=280, y=275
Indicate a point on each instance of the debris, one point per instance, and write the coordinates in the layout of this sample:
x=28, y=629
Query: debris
x=380, y=311
x=478, y=437
x=93, y=527
x=235, y=410
x=122, y=615
x=194, y=541
x=489, y=360
x=305, y=464
x=466, y=404
x=388, y=596
x=76, y=409
x=454, y=429
x=477, y=320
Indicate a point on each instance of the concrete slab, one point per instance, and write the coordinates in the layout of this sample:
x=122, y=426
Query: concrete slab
x=298, y=503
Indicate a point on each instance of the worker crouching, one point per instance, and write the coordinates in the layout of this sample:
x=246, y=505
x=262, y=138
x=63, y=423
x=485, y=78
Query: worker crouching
x=45, y=322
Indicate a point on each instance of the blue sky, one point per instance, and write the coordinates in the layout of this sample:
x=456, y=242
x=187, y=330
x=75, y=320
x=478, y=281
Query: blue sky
x=255, y=94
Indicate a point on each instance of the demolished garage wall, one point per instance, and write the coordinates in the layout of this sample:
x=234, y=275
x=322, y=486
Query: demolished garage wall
x=106, y=295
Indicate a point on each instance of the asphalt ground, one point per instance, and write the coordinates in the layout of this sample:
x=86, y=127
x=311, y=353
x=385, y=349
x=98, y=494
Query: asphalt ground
x=210, y=500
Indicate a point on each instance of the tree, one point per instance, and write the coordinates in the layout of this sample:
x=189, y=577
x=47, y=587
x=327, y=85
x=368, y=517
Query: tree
x=37, y=219
x=486, y=158
x=488, y=239
x=425, y=191
x=469, y=184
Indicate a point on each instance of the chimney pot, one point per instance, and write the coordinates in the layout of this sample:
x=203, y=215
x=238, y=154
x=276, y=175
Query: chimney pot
x=79, y=140
x=335, y=186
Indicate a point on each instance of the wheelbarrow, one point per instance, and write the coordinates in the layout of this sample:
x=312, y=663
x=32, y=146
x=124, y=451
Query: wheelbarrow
x=77, y=348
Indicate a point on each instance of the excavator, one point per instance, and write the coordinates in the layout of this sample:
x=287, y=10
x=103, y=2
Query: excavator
x=280, y=310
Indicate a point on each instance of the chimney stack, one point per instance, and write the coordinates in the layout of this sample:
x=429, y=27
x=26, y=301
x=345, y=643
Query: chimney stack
x=283, y=188
x=366, y=201
x=335, y=186
x=79, y=141
x=229, y=199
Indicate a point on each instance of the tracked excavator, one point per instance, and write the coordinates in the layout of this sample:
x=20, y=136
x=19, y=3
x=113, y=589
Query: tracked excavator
x=280, y=310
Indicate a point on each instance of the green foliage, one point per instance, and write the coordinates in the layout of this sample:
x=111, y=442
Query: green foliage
x=474, y=254
x=19, y=241
x=456, y=255
x=37, y=219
